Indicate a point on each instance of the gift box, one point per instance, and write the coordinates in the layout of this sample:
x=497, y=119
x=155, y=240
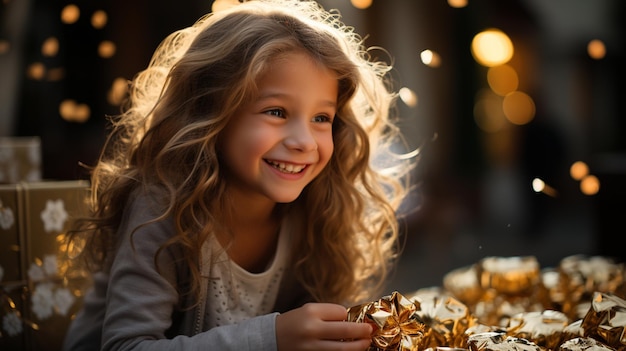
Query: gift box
x=506, y=304
x=20, y=159
x=38, y=299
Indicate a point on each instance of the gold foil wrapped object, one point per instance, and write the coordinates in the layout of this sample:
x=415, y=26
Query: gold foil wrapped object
x=544, y=328
x=499, y=341
x=394, y=320
x=446, y=320
x=502, y=304
x=606, y=320
x=584, y=344
x=581, y=276
x=509, y=275
x=464, y=284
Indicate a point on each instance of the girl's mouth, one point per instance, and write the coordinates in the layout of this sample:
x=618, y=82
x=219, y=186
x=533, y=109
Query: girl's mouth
x=286, y=167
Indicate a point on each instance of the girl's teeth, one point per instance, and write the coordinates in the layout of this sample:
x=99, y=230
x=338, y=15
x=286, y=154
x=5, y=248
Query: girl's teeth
x=287, y=168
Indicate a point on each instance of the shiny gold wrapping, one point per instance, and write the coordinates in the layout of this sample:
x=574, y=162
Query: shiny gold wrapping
x=394, y=320
x=509, y=275
x=606, y=320
x=580, y=277
x=446, y=320
x=544, y=328
x=501, y=304
x=497, y=341
x=584, y=344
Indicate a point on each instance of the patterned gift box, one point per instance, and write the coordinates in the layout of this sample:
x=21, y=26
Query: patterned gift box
x=20, y=159
x=39, y=298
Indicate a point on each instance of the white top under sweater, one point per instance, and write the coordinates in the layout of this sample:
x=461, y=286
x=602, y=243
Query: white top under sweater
x=238, y=294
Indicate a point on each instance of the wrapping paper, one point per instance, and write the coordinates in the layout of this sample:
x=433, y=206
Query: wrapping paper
x=20, y=159
x=394, y=320
x=507, y=303
x=37, y=298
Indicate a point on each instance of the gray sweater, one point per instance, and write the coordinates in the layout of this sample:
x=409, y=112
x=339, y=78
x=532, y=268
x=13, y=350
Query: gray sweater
x=136, y=307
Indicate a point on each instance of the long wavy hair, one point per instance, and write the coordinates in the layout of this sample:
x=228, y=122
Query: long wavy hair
x=168, y=137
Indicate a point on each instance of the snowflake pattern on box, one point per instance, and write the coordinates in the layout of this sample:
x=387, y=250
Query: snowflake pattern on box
x=49, y=296
x=49, y=288
x=54, y=216
x=20, y=159
x=7, y=218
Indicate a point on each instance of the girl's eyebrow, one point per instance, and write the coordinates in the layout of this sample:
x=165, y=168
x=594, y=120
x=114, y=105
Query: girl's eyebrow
x=278, y=95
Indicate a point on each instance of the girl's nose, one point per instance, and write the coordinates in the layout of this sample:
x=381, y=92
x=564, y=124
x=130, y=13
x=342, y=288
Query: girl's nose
x=300, y=137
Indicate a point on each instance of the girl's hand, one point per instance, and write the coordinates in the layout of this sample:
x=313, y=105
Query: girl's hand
x=320, y=326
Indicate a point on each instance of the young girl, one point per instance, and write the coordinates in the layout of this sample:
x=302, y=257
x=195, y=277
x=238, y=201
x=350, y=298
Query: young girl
x=236, y=205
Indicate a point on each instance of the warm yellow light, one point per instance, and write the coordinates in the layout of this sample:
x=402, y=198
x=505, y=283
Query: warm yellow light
x=99, y=19
x=74, y=112
x=502, y=79
x=219, y=5
x=5, y=46
x=492, y=47
x=36, y=71
x=50, y=47
x=590, y=185
x=70, y=14
x=106, y=49
x=408, y=96
x=540, y=186
x=596, y=49
x=118, y=91
x=578, y=170
x=430, y=58
x=518, y=107
x=55, y=74
x=457, y=3
x=488, y=113
x=361, y=4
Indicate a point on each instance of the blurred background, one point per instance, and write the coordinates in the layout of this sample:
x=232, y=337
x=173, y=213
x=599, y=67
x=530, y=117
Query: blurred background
x=517, y=108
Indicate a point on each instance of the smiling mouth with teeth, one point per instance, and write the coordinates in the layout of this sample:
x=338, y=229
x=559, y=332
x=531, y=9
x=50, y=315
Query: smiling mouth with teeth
x=286, y=168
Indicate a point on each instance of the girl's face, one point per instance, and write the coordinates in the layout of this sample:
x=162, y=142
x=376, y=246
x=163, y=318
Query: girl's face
x=282, y=139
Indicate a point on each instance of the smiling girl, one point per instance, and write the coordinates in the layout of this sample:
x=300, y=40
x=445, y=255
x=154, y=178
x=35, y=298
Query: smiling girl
x=235, y=205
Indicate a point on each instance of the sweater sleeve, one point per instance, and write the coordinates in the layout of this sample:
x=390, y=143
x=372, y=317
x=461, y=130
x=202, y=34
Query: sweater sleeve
x=141, y=300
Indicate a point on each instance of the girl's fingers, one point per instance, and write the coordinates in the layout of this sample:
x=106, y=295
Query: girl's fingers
x=346, y=331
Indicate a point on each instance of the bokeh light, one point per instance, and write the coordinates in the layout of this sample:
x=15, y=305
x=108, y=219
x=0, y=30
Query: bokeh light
x=361, y=4
x=488, y=113
x=55, y=74
x=596, y=49
x=219, y=5
x=518, y=107
x=408, y=96
x=430, y=58
x=492, y=47
x=117, y=92
x=540, y=186
x=502, y=79
x=99, y=19
x=457, y=3
x=36, y=71
x=50, y=47
x=590, y=185
x=106, y=49
x=70, y=14
x=578, y=170
x=5, y=46
x=72, y=111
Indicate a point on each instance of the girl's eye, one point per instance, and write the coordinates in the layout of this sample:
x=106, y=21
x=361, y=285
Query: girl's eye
x=276, y=112
x=322, y=119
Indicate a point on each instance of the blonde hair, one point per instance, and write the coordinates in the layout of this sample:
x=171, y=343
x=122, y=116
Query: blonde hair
x=168, y=136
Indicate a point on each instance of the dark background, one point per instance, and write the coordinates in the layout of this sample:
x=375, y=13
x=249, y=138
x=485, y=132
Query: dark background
x=474, y=199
